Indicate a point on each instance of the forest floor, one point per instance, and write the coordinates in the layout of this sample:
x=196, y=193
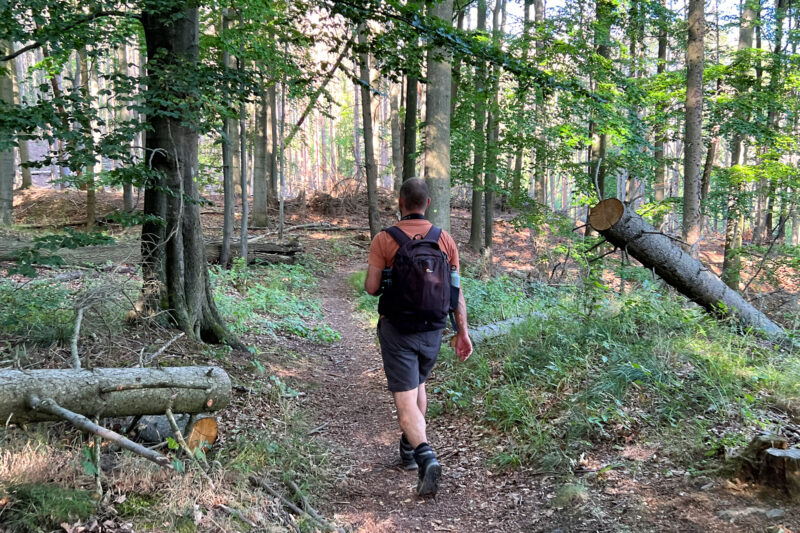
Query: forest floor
x=338, y=389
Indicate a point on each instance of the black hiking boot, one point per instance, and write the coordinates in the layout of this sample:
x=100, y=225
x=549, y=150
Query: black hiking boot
x=429, y=470
x=407, y=454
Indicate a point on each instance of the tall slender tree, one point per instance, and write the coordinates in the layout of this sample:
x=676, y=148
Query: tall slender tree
x=369, y=150
x=693, y=152
x=7, y=165
x=479, y=150
x=437, y=127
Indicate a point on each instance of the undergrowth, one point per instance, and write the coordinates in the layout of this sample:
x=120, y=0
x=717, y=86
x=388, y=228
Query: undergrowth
x=601, y=366
x=270, y=300
x=44, y=507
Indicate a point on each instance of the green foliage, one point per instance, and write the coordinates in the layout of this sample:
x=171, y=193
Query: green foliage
x=612, y=366
x=271, y=299
x=36, y=254
x=495, y=299
x=45, y=507
x=39, y=311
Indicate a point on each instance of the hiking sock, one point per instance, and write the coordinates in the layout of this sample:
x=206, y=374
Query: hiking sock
x=407, y=454
x=429, y=470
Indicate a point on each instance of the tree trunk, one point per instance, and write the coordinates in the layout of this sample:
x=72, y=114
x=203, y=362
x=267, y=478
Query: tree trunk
x=114, y=392
x=540, y=150
x=369, y=150
x=17, y=73
x=476, y=225
x=273, y=167
x=243, y=178
x=693, y=152
x=521, y=101
x=659, y=131
x=125, y=118
x=7, y=163
x=410, y=129
x=492, y=142
x=228, y=167
x=626, y=230
x=357, y=134
x=437, y=127
x=731, y=265
x=397, y=134
x=174, y=270
x=261, y=162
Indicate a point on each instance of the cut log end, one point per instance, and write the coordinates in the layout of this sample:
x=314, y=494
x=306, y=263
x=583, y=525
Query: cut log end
x=606, y=214
x=202, y=433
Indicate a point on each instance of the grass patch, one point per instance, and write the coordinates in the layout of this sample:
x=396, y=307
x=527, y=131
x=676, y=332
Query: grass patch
x=271, y=299
x=604, y=367
x=45, y=507
x=40, y=311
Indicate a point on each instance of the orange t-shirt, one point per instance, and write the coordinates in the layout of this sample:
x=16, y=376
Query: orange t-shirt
x=384, y=247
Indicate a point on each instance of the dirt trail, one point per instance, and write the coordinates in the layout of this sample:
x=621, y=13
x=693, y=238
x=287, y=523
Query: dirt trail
x=376, y=495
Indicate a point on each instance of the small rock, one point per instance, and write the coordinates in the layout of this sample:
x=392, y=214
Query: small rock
x=775, y=513
x=707, y=486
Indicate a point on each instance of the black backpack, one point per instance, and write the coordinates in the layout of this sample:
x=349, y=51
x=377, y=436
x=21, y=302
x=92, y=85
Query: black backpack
x=419, y=296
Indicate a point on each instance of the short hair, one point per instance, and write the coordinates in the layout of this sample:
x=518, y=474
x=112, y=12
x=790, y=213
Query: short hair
x=414, y=193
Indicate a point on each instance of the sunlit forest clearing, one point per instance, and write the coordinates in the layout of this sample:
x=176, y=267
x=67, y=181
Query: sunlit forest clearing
x=188, y=196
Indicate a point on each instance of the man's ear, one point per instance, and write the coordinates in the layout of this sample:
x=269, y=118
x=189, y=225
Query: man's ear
x=428, y=204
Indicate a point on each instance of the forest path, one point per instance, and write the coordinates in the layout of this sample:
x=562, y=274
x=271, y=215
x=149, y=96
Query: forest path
x=375, y=494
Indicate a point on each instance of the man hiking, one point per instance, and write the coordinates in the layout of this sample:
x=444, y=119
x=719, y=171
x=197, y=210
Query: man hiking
x=417, y=294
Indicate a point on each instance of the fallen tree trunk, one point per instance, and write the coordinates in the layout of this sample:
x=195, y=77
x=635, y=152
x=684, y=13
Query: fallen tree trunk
x=626, y=230
x=266, y=252
x=130, y=253
x=197, y=430
x=496, y=329
x=112, y=392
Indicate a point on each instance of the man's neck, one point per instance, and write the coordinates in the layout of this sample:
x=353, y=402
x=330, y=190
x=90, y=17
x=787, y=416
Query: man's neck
x=411, y=215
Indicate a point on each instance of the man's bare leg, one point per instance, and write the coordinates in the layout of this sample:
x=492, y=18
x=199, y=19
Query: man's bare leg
x=422, y=399
x=411, y=418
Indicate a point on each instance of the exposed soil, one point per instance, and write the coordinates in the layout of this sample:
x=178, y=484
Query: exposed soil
x=627, y=489
x=634, y=485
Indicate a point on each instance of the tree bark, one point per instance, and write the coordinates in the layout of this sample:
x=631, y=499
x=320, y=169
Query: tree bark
x=397, y=134
x=17, y=73
x=693, y=152
x=261, y=162
x=272, y=141
x=114, y=392
x=476, y=225
x=626, y=230
x=7, y=164
x=174, y=270
x=369, y=150
x=410, y=128
x=437, y=127
x=228, y=168
x=243, y=178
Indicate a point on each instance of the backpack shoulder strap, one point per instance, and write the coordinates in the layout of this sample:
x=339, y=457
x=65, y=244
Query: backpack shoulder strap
x=433, y=234
x=398, y=235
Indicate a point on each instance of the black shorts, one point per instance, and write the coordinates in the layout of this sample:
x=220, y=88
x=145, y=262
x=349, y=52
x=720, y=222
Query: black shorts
x=408, y=358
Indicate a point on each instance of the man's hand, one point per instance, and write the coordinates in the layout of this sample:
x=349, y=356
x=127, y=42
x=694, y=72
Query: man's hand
x=463, y=345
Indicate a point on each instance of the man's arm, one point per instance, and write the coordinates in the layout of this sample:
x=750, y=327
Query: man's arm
x=463, y=342
x=372, y=283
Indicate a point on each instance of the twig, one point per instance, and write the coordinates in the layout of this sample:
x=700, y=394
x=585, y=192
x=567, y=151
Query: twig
x=237, y=514
x=602, y=256
x=317, y=429
x=200, y=460
x=149, y=359
x=96, y=459
x=48, y=405
x=76, y=358
x=764, y=259
x=292, y=507
x=310, y=510
x=370, y=370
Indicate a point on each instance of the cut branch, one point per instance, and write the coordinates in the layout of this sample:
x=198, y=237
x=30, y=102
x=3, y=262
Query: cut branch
x=52, y=408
